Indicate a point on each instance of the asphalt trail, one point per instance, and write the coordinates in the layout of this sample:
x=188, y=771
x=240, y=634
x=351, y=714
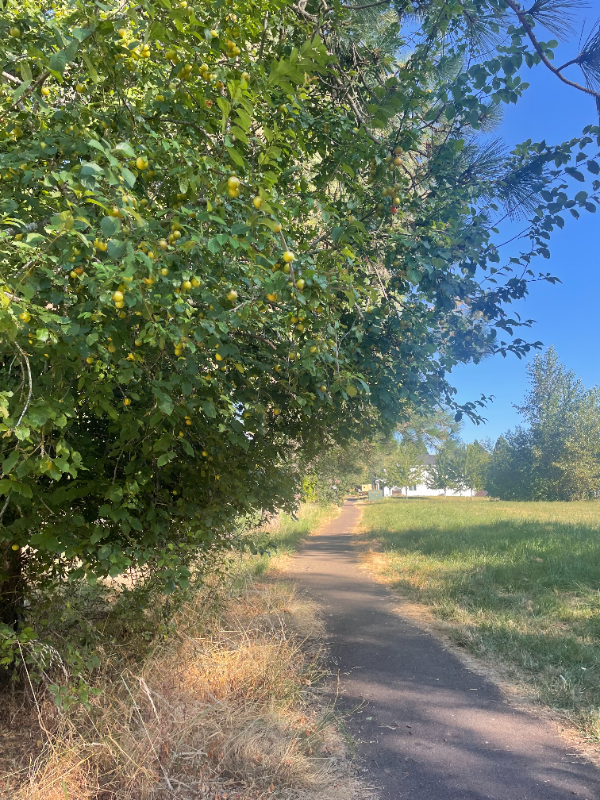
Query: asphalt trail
x=428, y=728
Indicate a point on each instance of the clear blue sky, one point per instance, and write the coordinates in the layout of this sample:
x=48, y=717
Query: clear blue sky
x=568, y=314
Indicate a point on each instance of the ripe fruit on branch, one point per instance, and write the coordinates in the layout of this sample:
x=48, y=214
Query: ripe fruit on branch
x=141, y=163
x=257, y=202
x=232, y=295
x=126, y=402
x=118, y=296
x=300, y=284
x=233, y=182
x=288, y=256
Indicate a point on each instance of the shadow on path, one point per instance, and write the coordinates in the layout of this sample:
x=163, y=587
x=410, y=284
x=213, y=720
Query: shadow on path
x=427, y=727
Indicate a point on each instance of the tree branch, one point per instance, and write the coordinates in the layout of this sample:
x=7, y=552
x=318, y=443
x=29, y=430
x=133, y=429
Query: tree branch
x=522, y=15
x=26, y=406
x=369, y=5
x=26, y=94
x=11, y=78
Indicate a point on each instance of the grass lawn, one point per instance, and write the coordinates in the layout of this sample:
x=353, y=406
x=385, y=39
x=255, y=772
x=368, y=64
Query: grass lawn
x=518, y=582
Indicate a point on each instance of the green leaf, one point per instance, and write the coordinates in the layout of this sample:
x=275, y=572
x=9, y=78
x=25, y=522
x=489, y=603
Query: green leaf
x=9, y=463
x=20, y=91
x=165, y=458
x=164, y=402
x=125, y=149
x=209, y=409
x=129, y=177
x=574, y=173
x=110, y=226
x=225, y=107
x=82, y=33
x=59, y=61
x=236, y=157
x=116, y=248
x=90, y=68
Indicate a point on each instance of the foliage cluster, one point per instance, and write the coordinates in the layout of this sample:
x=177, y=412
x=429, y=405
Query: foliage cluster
x=557, y=456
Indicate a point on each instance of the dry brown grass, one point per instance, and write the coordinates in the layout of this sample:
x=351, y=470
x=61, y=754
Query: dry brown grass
x=220, y=710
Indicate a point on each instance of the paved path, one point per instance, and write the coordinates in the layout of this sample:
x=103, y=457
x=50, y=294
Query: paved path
x=428, y=728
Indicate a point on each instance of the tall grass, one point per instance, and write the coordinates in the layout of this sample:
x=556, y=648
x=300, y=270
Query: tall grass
x=519, y=582
x=203, y=698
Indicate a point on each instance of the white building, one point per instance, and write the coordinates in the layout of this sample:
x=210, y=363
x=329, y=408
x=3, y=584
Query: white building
x=422, y=489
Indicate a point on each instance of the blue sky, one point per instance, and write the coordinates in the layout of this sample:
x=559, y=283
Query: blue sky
x=568, y=314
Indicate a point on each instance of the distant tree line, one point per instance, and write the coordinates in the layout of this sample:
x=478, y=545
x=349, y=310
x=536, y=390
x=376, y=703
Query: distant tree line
x=557, y=456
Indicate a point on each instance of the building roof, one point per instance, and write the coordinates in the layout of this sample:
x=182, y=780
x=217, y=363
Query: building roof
x=429, y=461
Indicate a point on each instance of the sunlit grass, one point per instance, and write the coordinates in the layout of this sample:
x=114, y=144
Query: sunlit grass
x=517, y=581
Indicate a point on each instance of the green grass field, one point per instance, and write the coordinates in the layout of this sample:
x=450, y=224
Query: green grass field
x=518, y=582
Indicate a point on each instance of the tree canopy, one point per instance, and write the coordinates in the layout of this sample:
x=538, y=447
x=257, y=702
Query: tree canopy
x=231, y=231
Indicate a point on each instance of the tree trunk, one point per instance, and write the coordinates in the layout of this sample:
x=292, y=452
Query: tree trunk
x=12, y=593
x=12, y=585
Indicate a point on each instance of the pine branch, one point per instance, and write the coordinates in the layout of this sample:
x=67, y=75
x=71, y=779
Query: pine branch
x=522, y=15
